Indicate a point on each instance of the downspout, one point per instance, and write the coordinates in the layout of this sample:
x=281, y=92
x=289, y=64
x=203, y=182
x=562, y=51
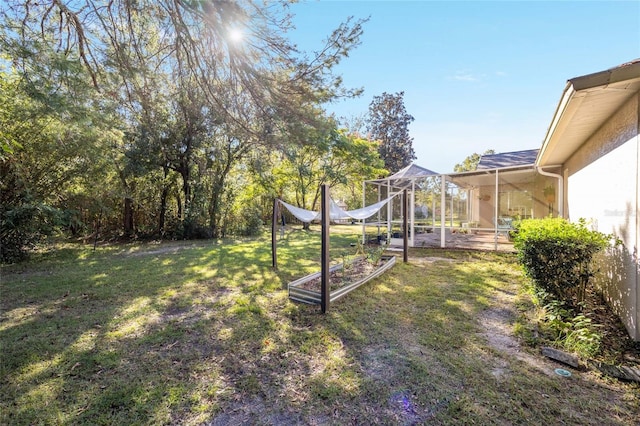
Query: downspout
x=540, y=170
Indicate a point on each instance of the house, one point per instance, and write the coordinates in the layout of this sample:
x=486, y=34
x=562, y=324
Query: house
x=506, y=187
x=593, y=141
x=587, y=168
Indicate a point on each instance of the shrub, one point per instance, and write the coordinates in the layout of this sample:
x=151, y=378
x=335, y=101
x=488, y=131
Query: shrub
x=557, y=254
x=243, y=221
x=252, y=222
x=574, y=333
x=22, y=227
x=192, y=229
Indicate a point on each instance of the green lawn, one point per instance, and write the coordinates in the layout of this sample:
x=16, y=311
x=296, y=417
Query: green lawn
x=193, y=333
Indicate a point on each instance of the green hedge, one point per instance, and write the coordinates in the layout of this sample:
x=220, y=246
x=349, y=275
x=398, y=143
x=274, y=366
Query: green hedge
x=557, y=255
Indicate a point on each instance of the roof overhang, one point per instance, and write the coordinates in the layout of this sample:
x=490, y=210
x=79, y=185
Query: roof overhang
x=586, y=104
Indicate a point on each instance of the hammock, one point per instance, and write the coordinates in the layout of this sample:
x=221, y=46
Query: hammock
x=335, y=212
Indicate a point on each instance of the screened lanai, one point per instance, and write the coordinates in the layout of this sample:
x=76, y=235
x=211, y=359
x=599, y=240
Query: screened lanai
x=474, y=209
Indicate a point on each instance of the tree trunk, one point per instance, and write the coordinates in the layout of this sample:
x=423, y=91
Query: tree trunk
x=163, y=203
x=163, y=210
x=214, y=206
x=128, y=216
x=186, y=187
x=220, y=174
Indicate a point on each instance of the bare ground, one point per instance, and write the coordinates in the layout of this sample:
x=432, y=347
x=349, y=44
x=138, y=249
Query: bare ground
x=497, y=322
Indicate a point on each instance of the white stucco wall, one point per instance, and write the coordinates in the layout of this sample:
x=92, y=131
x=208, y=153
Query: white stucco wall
x=603, y=186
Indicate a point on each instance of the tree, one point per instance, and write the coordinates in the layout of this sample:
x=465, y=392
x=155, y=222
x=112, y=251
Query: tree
x=56, y=147
x=189, y=102
x=328, y=156
x=335, y=159
x=388, y=122
x=471, y=162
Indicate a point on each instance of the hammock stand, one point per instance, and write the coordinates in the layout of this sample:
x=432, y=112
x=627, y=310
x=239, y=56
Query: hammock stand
x=328, y=211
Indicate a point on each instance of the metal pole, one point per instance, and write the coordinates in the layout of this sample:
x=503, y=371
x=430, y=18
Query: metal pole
x=324, y=270
x=495, y=209
x=364, y=203
x=443, y=218
x=379, y=217
x=405, y=223
x=412, y=212
x=274, y=228
x=451, y=208
x=433, y=209
x=389, y=210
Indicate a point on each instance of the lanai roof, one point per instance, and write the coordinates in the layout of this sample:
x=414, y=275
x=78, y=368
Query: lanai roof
x=518, y=165
x=403, y=178
x=411, y=171
x=508, y=159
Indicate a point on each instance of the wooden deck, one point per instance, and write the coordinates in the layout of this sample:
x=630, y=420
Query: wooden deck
x=476, y=240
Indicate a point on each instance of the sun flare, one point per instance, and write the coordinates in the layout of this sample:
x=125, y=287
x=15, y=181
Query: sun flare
x=236, y=35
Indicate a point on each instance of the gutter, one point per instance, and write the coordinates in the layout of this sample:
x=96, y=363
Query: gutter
x=561, y=112
x=540, y=170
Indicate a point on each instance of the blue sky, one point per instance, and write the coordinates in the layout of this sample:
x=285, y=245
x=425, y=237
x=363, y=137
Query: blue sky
x=476, y=75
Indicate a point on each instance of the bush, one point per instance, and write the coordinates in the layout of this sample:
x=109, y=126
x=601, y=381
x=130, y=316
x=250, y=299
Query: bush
x=22, y=227
x=191, y=229
x=557, y=254
x=245, y=221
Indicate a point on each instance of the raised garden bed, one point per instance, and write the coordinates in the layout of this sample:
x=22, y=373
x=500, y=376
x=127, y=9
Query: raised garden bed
x=308, y=289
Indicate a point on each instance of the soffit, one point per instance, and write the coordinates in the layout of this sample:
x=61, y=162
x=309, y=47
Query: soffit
x=587, y=103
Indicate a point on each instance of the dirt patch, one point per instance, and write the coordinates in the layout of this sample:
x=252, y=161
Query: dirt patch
x=152, y=249
x=428, y=260
x=162, y=250
x=618, y=347
x=254, y=411
x=497, y=323
x=377, y=363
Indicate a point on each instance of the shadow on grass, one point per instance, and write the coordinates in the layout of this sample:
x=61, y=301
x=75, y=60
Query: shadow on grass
x=206, y=335
x=118, y=335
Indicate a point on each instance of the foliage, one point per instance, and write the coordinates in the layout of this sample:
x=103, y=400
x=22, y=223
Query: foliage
x=470, y=163
x=371, y=252
x=54, y=150
x=557, y=255
x=314, y=157
x=332, y=158
x=574, y=333
x=23, y=226
x=247, y=222
x=388, y=122
x=133, y=118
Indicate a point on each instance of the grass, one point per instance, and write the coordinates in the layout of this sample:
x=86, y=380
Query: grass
x=194, y=333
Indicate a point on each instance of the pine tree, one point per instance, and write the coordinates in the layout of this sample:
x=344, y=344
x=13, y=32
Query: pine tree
x=388, y=122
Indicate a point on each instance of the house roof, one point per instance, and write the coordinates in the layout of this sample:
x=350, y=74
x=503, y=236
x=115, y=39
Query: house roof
x=507, y=159
x=586, y=104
